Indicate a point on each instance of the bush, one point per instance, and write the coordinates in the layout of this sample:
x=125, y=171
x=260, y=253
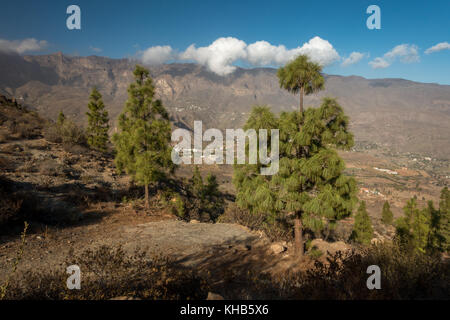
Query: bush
x=66, y=132
x=111, y=272
x=405, y=274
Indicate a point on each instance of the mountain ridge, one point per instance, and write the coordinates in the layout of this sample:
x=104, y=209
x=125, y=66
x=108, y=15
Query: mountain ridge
x=400, y=114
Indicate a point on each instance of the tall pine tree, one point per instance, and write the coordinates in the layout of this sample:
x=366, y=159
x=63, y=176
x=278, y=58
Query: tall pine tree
x=98, y=122
x=362, y=229
x=386, y=215
x=143, y=144
x=310, y=185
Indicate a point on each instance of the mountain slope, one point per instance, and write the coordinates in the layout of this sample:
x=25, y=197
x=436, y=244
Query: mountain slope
x=403, y=115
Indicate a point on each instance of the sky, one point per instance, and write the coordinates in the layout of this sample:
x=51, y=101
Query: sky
x=412, y=43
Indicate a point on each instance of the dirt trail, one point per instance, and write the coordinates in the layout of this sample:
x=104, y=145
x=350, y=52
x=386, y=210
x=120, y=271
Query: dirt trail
x=196, y=245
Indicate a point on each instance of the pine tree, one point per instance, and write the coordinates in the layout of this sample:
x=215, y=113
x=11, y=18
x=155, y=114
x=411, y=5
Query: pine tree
x=301, y=75
x=413, y=229
x=143, y=144
x=386, y=215
x=61, y=119
x=435, y=239
x=207, y=197
x=362, y=229
x=310, y=185
x=444, y=210
x=98, y=126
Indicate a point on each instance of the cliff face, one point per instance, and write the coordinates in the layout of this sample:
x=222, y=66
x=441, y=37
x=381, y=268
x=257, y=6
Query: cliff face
x=401, y=114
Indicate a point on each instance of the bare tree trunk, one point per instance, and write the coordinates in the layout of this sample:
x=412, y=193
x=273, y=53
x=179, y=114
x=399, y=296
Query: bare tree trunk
x=301, y=99
x=146, y=197
x=298, y=240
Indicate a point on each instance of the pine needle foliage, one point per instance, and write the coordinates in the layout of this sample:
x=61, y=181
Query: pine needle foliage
x=310, y=183
x=386, y=214
x=98, y=122
x=143, y=144
x=362, y=229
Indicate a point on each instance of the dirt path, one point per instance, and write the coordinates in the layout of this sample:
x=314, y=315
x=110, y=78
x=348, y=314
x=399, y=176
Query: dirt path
x=196, y=245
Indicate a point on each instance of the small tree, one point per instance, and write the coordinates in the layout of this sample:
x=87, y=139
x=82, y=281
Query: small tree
x=61, y=119
x=207, y=197
x=386, y=215
x=444, y=209
x=435, y=240
x=98, y=122
x=362, y=229
x=413, y=229
x=301, y=75
x=143, y=144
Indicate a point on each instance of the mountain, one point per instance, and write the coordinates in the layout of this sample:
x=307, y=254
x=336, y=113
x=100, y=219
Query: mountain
x=402, y=115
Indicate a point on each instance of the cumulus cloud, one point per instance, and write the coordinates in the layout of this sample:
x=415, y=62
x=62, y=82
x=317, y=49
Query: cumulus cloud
x=353, y=58
x=379, y=63
x=157, y=55
x=22, y=46
x=220, y=55
x=406, y=53
x=438, y=47
x=262, y=53
x=319, y=50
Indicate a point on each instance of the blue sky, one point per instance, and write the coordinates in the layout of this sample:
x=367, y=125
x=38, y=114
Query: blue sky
x=120, y=29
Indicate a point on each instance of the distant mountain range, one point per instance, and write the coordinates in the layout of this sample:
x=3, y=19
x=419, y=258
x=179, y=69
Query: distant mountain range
x=403, y=115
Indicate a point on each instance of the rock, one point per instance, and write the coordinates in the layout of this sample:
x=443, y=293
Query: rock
x=331, y=247
x=214, y=296
x=194, y=221
x=376, y=241
x=278, y=247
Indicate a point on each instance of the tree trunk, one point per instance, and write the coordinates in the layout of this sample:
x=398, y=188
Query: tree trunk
x=301, y=99
x=146, y=197
x=298, y=233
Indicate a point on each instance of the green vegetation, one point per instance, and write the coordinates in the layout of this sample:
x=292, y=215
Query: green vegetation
x=444, y=208
x=310, y=185
x=387, y=216
x=206, y=200
x=98, y=122
x=362, y=229
x=65, y=131
x=143, y=144
x=425, y=230
x=301, y=75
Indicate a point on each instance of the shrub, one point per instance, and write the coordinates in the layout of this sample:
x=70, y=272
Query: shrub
x=112, y=272
x=66, y=132
x=405, y=274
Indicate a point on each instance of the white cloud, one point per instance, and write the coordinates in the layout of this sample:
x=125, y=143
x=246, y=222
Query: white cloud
x=379, y=63
x=353, y=58
x=219, y=56
x=438, y=47
x=22, y=46
x=406, y=53
x=319, y=50
x=262, y=53
x=95, y=49
x=157, y=55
